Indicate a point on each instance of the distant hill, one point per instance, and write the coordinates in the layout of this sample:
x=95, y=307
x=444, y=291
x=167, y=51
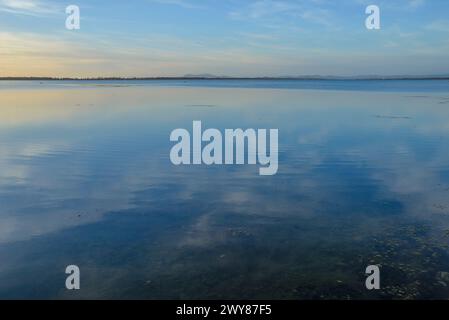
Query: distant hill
x=204, y=76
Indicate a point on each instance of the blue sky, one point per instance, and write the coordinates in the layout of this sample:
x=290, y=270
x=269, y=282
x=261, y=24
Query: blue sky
x=223, y=37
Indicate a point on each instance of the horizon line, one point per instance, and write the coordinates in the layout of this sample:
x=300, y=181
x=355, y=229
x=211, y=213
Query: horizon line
x=213, y=77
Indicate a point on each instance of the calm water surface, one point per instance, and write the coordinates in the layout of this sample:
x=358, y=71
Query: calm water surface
x=85, y=179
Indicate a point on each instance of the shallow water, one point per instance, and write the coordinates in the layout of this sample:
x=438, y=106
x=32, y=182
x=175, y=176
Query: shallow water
x=86, y=179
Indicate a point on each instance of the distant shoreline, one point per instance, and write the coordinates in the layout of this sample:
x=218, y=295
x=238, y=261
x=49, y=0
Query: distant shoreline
x=220, y=78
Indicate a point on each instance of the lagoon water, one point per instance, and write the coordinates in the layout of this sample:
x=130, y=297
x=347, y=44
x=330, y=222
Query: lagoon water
x=86, y=179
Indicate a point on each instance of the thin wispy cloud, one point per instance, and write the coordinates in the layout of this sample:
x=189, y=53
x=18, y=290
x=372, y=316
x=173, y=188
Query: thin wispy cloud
x=439, y=25
x=400, y=5
x=29, y=7
x=180, y=3
x=416, y=3
x=301, y=11
x=265, y=8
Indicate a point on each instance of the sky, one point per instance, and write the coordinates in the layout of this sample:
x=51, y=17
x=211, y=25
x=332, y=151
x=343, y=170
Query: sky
x=223, y=37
